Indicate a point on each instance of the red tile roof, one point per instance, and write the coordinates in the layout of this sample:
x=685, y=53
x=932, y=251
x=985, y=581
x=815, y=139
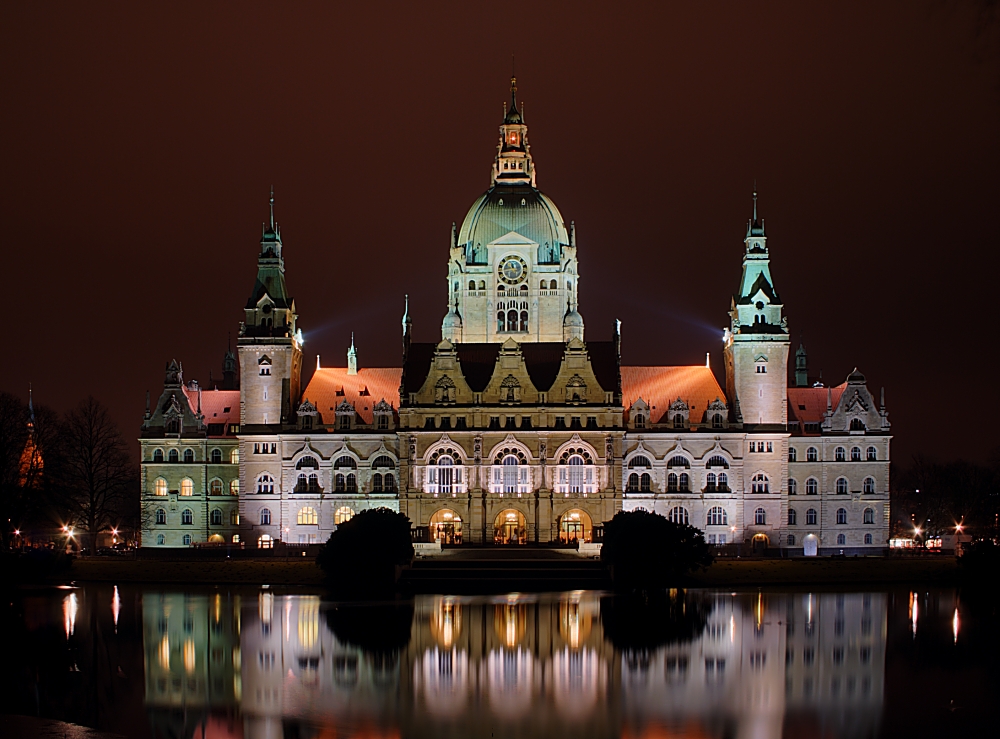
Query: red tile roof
x=218, y=406
x=808, y=404
x=331, y=386
x=661, y=386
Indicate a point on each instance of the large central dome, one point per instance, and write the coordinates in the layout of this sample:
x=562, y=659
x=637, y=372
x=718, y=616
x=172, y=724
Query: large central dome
x=519, y=208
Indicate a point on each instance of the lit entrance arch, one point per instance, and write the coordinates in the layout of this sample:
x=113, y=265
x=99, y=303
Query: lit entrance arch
x=575, y=525
x=509, y=527
x=446, y=527
x=810, y=546
x=760, y=543
x=216, y=539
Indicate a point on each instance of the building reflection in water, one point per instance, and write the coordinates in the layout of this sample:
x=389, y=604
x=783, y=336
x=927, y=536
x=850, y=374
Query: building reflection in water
x=518, y=665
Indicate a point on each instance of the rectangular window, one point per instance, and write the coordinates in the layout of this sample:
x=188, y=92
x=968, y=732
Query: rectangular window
x=770, y=446
x=495, y=423
x=525, y=422
x=591, y=422
x=575, y=423
x=510, y=423
x=722, y=539
x=560, y=422
x=445, y=422
x=460, y=422
x=429, y=422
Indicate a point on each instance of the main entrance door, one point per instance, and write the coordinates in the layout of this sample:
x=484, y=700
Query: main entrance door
x=510, y=528
x=809, y=545
x=446, y=527
x=575, y=525
x=760, y=543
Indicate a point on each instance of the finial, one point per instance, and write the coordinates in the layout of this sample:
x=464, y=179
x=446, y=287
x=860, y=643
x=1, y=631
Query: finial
x=352, y=340
x=318, y=368
x=272, y=207
x=755, y=200
x=708, y=360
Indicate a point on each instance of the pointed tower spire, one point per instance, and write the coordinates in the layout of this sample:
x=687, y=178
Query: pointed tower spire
x=272, y=207
x=31, y=408
x=352, y=358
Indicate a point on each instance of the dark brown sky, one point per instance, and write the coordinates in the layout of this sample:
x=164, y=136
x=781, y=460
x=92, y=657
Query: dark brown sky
x=140, y=143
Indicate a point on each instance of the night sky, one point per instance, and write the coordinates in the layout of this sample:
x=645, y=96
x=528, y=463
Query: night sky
x=140, y=144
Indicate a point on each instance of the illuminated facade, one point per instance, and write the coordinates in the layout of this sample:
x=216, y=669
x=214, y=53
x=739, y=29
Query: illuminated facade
x=514, y=428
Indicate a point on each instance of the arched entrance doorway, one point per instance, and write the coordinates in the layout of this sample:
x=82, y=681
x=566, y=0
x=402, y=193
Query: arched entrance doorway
x=446, y=527
x=575, y=525
x=509, y=527
x=216, y=539
x=760, y=543
x=810, y=545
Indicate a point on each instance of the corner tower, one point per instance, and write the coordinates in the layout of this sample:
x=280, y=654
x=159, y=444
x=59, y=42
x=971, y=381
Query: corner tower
x=757, y=342
x=269, y=344
x=512, y=269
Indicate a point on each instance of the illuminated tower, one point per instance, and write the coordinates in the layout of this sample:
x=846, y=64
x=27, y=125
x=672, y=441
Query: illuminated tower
x=269, y=345
x=756, y=344
x=512, y=271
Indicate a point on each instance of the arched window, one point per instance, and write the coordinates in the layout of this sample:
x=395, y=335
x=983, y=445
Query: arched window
x=684, y=483
x=793, y=455
x=382, y=462
x=672, y=483
x=842, y=486
x=840, y=454
x=265, y=516
x=157, y=455
x=188, y=456
x=161, y=516
x=856, y=454
x=869, y=515
x=717, y=516
x=187, y=486
x=717, y=421
x=308, y=463
x=792, y=516
x=723, y=482
x=678, y=514
x=841, y=539
x=512, y=320
x=869, y=486
x=234, y=518
x=872, y=454
x=510, y=474
x=645, y=482
x=857, y=425
x=760, y=484
x=173, y=456
x=472, y=284
x=377, y=482
x=710, y=481
x=186, y=540
x=160, y=486
x=841, y=516
x=216, y=517
x=389, y=482
x=265, y=542
x=265, y=484
x=524, y=316
x=793, y=486
x=161, y=539
x=344, y=462
x=678, y=421
x=215, y=487
x=760, y=517
x=234, y=487
x=811, y=454
x=187, y=517
x=216, y=456
x=343, y=514
x=307, y=516
x=234, y=456
x=812, y=486
x=639, y=461
x=716, y=461
x=501, y=321
x=632, y=485
x=811, y=517
x=791, y=540
x=868, y=538
x=576, y=473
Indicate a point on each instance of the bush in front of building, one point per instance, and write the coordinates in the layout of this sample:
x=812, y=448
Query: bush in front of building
x=362, y=555
x=647, y=552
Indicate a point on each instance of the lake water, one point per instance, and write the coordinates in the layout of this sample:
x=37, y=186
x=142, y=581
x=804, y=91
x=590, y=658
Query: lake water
x=259, y=663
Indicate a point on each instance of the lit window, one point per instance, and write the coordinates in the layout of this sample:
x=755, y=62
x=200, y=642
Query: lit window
x=160, y=486
x=343, y=514
x=234, y=487
x=234, y=456
x=265, y=542
x=187, y=486
x=307, y=516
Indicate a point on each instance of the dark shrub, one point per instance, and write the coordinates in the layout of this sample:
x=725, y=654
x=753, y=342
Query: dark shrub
x=647, y=552
x=362, y=554
x=637, y=624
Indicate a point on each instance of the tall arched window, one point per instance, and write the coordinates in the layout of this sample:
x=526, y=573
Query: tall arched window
x=791, y=516
x=672, y=483
x=678, y=514
x=841, y=516
x=856, y=454
x=216, y=517
x=160, y=486
x=501, y=321
x=632, y=486
x=265, y=517
x=187, y=517
x=760, y=517
x=512, y=320
x=187, y=486
x=723, y=482
x=161, y=539
x=811, y=454
x=576, y=473
x=216, y=456
x=188, y=456
x=812, y=486
x=760, y=484
x=710, y=482
x=343, y=514
x=717, y=421
x=717, y=516
x=841, y=539
x=161, y=516
x=811, y=517
x=872, y=454
x=307, y=516
x=869, y=515
x=793, y=455
x=640, y=421
x=510, y=474
x=234, y=456
x=215, y=487
x=869, y=486
x=842, y=486
x=840, y=454
x=186, y=540
x=524, y=319
x=234, y=487
x=793, y=486
x=157, y=455
x=645, y=482
x=678, y=421
x=868, y=538
x=790, y=540
x=684, y=483
x=265, y=484
x=173, y=456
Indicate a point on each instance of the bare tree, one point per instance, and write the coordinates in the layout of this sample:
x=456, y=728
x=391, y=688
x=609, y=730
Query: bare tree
x=94, y=469
x=13, y=435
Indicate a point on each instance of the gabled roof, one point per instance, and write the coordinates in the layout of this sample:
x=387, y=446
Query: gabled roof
x=217, y=406
x=660, y=386
x=331, y=386
x=808, y=404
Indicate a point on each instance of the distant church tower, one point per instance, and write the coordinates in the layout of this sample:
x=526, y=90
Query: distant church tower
x=269, y=345
x=512, y=271
x=757, y=343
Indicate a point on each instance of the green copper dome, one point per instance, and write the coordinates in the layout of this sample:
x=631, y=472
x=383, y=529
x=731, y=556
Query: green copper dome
x=519, y=208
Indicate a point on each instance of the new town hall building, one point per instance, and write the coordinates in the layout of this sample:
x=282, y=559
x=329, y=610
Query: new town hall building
x=516, y=427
